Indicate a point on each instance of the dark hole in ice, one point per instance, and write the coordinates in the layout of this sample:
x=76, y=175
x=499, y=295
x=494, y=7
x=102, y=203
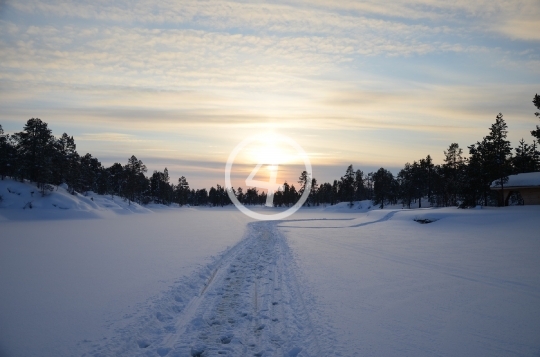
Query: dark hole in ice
x=424, y=221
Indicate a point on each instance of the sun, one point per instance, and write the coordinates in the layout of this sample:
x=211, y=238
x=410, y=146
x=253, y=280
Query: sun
x=270, y=151
x=267, y=160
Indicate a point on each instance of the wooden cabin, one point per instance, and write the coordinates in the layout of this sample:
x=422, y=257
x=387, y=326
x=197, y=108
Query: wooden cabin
x=528, y=186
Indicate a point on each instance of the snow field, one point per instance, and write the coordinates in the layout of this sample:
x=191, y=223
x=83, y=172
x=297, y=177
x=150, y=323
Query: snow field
x=67, y=285
x=465, y=285
x=336, y=281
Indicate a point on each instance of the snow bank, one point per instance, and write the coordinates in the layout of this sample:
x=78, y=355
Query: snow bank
x=358, y=206
x=365, y=206
x=527, y=179
x=23, y=200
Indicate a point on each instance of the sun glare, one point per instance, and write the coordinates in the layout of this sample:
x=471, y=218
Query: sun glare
x=272, y=152
x=268, y=160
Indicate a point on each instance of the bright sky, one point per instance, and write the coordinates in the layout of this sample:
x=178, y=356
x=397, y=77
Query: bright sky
x=181, y=83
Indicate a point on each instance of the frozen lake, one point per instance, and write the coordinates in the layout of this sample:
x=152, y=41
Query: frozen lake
x=325, y=282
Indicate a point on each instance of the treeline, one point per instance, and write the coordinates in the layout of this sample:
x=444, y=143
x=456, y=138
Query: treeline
x=459, y=181
x=34, y=154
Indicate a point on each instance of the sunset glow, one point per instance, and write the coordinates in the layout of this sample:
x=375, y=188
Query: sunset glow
x=179, y=84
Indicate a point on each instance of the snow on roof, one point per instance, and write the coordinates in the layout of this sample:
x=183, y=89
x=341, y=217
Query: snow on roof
x=519, y=180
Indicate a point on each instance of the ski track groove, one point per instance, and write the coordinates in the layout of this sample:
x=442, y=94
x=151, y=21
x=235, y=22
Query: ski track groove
x=247, y=303
x=386, y=217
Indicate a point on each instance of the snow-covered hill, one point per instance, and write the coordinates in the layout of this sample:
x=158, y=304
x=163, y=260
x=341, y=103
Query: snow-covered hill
x=24, y=200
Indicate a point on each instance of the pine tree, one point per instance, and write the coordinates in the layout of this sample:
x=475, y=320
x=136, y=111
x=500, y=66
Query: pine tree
x=526, y=158
x=452, y=169
x=3, y=153
x=240, y=195
x=182, y=191
x=89, y=168
x=406, y=185
x=334, y=193
x=155, y=186
x=313, y=197
x=161, y=190
x=385, y=188
x=8, y=155
x=166, y=189
x=536, y=102
x=102, y=181
x=325, y=193
x=411, y=180
x=35, y=146
x=368, y=184
x=116, y=179
x=478, y=176
x=286, y=194
x=439, y=192
x=419, y=182
x=293, y=196
x=64, y=153
x=535, y=154
x=305, y=183
x=262, y=198
x=201, y=197
x=347, y=185
x=134, y=185
x=499, y=153
x=359, y=189
x=218, y=196
x=73, y=177
x=427, y=167
x=251, y=196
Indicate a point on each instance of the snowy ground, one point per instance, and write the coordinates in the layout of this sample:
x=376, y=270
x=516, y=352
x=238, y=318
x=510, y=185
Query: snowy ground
x=467, y=284
x=327, y=282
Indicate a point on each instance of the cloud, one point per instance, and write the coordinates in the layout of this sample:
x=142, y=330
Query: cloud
x=111, y=137
x=521, y=29
x=235, y=45
x=374, y=83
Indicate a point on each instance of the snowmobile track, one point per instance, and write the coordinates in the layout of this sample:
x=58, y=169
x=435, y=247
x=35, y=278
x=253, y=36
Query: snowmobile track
x=247, y=303
x=251, y=306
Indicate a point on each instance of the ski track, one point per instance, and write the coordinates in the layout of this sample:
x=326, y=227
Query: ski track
x=247, y=303
x=382, y=219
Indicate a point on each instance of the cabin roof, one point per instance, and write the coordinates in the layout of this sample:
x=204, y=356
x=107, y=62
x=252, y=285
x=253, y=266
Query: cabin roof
x=530, y=179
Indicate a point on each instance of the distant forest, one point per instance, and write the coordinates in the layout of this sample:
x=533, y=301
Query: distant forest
x=34, y=154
